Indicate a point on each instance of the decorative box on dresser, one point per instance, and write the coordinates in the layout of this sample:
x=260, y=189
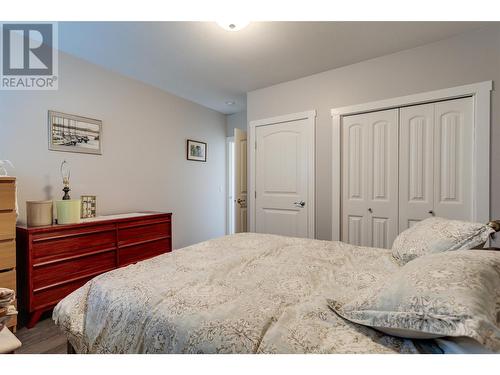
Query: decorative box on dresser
x=8, y=237
x=55, y=260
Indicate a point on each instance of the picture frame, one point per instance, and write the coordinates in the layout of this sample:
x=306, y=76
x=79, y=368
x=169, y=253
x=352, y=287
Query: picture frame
x=72, y=133
x=196, y=150
x=88, y=206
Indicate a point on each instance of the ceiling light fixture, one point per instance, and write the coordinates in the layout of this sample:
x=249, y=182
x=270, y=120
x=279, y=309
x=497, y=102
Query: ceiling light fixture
x=233, y=26
x=230, y=102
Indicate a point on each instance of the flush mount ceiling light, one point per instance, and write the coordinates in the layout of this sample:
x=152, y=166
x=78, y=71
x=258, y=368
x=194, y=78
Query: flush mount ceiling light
x=230, y=102
x=233, y=26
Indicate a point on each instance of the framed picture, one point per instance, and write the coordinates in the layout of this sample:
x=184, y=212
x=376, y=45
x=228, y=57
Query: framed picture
x=73, y=133
x=196, y=150
x=88, y=206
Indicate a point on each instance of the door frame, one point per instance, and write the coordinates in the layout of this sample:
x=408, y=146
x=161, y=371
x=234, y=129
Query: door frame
x=310, y=116
x=480, y=93
x=229, y=185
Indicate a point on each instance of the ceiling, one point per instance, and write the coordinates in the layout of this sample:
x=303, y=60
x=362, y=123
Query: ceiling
x=202, y=62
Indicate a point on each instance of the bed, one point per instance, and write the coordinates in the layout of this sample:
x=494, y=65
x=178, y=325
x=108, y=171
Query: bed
x=244, y=293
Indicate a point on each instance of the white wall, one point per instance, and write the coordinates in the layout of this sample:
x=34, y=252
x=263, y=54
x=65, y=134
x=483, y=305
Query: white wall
x=143, y=166
x=464, y=59
x=236, y=120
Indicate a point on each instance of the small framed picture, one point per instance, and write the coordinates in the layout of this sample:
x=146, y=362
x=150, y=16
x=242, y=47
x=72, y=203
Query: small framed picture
x=196, y=150
x=88, y=206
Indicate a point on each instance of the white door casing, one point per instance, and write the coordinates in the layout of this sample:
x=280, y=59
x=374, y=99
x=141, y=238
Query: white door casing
x=480, y=95
x=282, y=175
x=240, y=180
x=230, y=198
x=370, y=178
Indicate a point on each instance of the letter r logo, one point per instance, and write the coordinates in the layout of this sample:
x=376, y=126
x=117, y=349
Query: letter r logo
x=27, y=49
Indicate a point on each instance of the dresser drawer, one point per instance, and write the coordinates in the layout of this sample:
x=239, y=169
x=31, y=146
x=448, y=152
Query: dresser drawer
x=47, y=298
x=7, y=225
x=7, y=196
x=8, y=279
x=63, y=245
x=7, y=255
x=142, y=232
x=136, y=253
x=56, y=273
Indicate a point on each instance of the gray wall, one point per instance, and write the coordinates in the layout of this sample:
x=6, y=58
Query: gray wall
x=143, y=166
x=464, y=59
x=236, y=120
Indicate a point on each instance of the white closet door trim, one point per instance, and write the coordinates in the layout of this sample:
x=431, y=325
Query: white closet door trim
x=307, y=115
x=481, y=163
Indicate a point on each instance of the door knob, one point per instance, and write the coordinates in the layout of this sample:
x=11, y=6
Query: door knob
x=370, y=210
x=431, y=212
x=299, y=204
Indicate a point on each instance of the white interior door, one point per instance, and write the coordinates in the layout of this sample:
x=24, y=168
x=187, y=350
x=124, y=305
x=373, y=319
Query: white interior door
x=370, y=178
x=283, y=169
x=354, y=180
x=240, y=180
x=416, y=164
x=436, y=161
x=453, y=155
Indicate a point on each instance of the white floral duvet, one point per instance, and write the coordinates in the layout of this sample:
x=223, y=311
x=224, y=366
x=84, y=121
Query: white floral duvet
x=245, y=293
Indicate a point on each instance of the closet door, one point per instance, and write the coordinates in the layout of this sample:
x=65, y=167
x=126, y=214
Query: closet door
x=453, y=149
x=354, y=180
x=370, y=178
x=435, y=173
x=416, y=164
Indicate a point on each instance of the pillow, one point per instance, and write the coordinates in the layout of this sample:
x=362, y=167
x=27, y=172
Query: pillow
x=435, y=235
x=453, y=293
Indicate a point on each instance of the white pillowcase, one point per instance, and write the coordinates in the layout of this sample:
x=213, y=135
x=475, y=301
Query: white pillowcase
x=453, y=294
x=435, y=235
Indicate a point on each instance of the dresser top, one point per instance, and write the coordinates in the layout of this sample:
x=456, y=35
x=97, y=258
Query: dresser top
x=117, y=216
x=7, y=178
x=99, y=220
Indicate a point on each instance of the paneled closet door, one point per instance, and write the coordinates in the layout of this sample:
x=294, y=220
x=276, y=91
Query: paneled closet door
x=416, y=164
x=435, y=172
x=370, y=178
x=453, y=152
x=355, y=180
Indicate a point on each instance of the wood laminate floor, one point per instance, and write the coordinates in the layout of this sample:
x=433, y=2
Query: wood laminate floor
x=44, y=338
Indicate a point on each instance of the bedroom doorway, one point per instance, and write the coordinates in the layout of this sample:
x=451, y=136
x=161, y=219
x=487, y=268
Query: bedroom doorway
x=282, y=175
x=230, y=186
x=236, y=148
x=240, y=180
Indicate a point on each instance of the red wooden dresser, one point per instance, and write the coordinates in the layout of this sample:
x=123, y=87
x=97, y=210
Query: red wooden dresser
x=53, y=261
